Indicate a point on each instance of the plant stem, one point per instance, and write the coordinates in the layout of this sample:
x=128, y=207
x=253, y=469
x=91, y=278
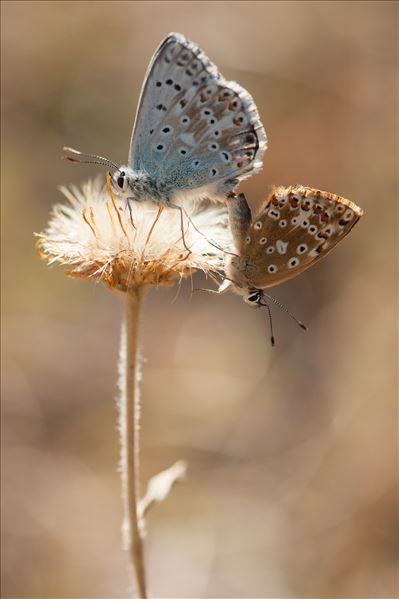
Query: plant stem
x=129, y=419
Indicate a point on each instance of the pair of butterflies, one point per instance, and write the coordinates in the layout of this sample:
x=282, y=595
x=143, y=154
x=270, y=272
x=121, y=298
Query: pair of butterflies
x=196, y=133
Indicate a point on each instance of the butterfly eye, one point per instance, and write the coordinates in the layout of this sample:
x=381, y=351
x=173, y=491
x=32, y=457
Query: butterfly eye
x=121, y=180
x=254, y=297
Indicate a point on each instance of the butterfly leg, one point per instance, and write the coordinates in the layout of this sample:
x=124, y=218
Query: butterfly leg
x=176, y=207
x=130, y=211
x=225, y=286
x=215, y=245
x=214, y=291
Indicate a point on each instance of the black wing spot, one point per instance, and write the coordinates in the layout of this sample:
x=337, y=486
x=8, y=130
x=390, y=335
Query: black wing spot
x=169, y=82
x=158, y=84
x=177, y=87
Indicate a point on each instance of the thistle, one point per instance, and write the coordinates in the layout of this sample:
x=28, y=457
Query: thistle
x=93, y=236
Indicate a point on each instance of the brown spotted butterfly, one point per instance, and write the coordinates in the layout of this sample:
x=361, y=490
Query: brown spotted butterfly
x=294, y=229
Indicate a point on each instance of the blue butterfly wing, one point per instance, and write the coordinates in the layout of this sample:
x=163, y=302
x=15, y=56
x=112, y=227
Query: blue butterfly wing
x=193, y=128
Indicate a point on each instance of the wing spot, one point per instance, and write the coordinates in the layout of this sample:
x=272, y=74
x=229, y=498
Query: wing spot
x=302, y=248
x=305, y=224
x=169, y=82
x=160, y=147
x=270, y=249
x=248, y=240
x=294, y=201
x=272, y=268
x=224, y=95
x=282, y=223
x=158, y=84
x=161, y=107
x=213, y=146
x=312, y=229
x=226, y=157
x=214, y=172
x=166, y=130
x=292, y=262
x=183, y=151
x=263, y=240
x=274, y=214
x=196, y=163
x=178, y=87
x=281, y=246
x=258, y=225
x=294, y=221
x=216, y=133
x=184, y=120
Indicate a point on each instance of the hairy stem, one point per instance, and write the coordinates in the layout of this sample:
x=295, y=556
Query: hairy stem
x=129, y=420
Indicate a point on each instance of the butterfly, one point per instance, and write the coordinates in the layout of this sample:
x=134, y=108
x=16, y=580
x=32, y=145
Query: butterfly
x=194, y=133
x=294, y=229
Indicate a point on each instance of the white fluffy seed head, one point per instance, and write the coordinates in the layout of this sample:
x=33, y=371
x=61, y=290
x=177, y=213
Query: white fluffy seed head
x=93, y=235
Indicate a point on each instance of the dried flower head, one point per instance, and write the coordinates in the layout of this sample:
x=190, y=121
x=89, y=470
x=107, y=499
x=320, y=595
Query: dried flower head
x=94, y=235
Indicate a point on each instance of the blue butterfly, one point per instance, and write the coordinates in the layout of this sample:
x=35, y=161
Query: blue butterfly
x=195, y=133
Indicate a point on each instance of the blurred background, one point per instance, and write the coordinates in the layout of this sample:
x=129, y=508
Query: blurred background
x=292, y=451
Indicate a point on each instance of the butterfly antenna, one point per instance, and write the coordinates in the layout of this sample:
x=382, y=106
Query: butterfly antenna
x=97, y=159
x=272, y=340
x=285, y=309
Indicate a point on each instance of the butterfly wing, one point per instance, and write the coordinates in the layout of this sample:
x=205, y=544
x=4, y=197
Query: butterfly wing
x=295, y=229
x=193, y=127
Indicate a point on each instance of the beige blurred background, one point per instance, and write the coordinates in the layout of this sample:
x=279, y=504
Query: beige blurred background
x=292, y=452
